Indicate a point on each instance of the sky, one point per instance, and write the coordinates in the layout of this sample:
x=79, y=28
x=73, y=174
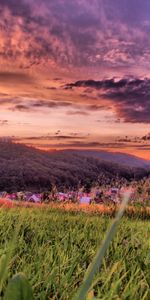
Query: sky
x=75, y=74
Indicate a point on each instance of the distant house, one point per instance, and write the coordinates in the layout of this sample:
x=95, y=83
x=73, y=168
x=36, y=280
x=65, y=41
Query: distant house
x=85, y=199
x=36, y=198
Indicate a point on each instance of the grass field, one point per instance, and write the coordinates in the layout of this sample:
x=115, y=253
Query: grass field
x=54, y=248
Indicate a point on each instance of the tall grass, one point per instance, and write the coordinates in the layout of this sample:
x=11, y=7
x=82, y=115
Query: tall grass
x=97, y=260
x=54, y=249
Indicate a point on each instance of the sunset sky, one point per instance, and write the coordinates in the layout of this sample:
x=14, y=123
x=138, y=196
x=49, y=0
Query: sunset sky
x=76, y=74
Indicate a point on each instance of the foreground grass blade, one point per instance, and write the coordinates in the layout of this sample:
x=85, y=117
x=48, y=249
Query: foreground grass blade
x=97, y=261
x=18, y=289
x=90, y=296
x=5, y=259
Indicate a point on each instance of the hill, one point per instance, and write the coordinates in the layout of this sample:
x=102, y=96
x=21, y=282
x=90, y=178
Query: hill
x=26, y=168
x=115, y=157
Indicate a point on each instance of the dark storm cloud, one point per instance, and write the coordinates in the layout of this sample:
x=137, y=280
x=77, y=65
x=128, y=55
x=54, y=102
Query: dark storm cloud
x=130, y=97
x=105, y=84
x=132, y=101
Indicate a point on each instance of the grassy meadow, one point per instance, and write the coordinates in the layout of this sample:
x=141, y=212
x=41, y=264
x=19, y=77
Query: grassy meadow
x=53, y=248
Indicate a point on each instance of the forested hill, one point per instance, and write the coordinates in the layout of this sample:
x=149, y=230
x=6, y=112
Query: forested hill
x=116, y=157
x=26, y=168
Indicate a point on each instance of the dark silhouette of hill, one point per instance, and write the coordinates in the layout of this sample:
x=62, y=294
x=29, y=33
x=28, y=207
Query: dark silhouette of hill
x=115, y=157
x=26, y=168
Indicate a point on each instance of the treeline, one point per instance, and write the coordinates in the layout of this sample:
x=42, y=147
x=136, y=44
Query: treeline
x=25, y=168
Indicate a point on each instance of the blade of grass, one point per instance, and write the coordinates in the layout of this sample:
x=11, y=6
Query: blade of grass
x=18, y=289
x=5, y=260
x=97, y=260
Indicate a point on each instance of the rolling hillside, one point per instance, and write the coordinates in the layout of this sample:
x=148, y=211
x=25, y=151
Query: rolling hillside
x=26, y=168
x=115, y=157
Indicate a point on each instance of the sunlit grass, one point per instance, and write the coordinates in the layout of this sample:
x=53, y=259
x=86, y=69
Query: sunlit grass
x=53, y=248
x=95, y=209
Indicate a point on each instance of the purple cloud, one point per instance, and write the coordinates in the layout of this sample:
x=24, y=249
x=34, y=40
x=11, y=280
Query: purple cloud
x=130, y=96
x=76, y=33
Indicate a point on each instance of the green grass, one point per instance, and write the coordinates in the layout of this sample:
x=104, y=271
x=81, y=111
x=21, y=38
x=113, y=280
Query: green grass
x=53, y=249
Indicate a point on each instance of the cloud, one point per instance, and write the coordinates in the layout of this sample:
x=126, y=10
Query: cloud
x=51, y=88
x=28, y=104
x=142, y=141
x=79, y=144
x=9, y=101
x=75, y=33
x=77, y=112
x=96, y=107
x=146, y=137
x=50, y=137
x=144, y=148
x=109, y=120
x=130, y=97
x=106, y=83
x=3, y=122
x=50, y=104
x=21, y=107
x=15, y=77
